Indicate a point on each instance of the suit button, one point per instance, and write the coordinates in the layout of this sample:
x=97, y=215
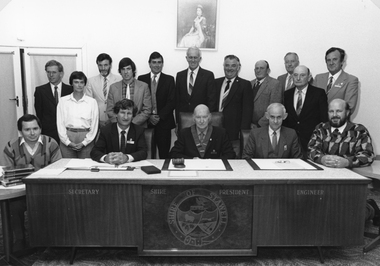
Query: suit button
x=298, y=122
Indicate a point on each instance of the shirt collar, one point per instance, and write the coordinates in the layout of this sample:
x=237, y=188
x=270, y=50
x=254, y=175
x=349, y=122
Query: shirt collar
x=23, y=141
x=195, y=71
x=204, y=131
x=336, y=75
x=304, y=90
x=232, y=80
x=341, y=129
x=271, y=131
x=157, y=76
x=83, y=99
x=126, y=130
x=59, y=85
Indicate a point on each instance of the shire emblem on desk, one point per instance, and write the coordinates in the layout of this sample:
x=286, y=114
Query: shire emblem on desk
x=197, y=217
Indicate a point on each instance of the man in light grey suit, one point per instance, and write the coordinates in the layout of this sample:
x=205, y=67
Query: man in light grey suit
x=337, y=83
x=266, y=90
x=98, y=86
x=291, y=61
x=132, y=89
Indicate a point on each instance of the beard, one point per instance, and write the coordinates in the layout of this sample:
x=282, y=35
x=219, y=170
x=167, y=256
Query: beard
x=337, y=121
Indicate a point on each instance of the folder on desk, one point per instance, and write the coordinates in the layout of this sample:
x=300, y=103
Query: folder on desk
x=282, y=164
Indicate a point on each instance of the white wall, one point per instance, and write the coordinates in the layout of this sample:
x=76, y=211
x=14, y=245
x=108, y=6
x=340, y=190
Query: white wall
x=252, y=30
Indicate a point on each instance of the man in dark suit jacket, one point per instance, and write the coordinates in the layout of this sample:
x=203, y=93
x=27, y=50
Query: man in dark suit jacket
x=202, y=140
x=46, y=98
x=234, y=96
x=273, y=141
x=123, y=141
x=266, y=90
x=306, y=106
x=194, y=85
x=162, y=89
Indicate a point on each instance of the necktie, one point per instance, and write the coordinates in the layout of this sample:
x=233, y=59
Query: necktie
x=56, y=94
x=335, y=143
x=154, y=99
x=226, y=93
x=128, y=93
x=299, y=102
x=124, y=91
x=329, y=85
x=191, y=83
x=105, y=87
x=122, y=142
x=201, y=137
x=256, y=88
x=290, y=83
x=274, y=140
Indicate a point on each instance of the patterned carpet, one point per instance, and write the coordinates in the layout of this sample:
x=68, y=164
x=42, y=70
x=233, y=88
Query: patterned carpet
x=266, y=256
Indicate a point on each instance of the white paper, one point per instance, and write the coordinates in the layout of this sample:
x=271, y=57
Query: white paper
x=88, y=164
x=200, y=165
x=283, y=164
x=49, y=172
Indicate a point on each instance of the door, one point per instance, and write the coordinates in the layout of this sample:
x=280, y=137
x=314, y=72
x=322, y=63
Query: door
x=11, y=95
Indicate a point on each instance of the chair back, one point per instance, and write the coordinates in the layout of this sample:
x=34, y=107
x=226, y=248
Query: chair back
x=186, y=120
x=150, y=142
x=244, y=135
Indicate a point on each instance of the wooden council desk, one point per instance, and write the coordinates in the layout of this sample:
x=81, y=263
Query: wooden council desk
x=215, y=213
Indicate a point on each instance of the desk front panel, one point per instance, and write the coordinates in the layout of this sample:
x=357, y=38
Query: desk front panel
x=317, y=214
x=188, y=219
x=76, y=214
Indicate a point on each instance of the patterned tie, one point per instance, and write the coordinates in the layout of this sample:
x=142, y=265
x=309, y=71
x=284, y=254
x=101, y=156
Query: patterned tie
x=299, y=102
x=56, y=94
x=191, y=83
x=122, y=145
x=105, y=87
x=274, y=140
x=124, y=91
x=329, y=85
x=225, y=93
x=201, y=137
x=290, y=83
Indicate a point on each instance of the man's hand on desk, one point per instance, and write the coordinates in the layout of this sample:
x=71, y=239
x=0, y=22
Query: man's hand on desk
x=335, y=161
x=116, y=158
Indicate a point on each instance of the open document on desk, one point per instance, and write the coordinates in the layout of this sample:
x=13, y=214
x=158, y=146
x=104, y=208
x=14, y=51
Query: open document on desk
x=282, y=164
x=199, y=165
x=88, y=164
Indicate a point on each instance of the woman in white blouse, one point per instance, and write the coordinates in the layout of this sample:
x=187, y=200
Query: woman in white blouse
x=77, y=119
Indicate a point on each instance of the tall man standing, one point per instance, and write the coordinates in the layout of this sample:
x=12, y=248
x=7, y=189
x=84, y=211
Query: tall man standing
x=291, y=61
x=266, y=90
x=132, y=89
x=162, y=89
x=306, y=106
x=194, y=85
x=235, y=98
x=337, y=83
x=46, y=98
x=98, y=86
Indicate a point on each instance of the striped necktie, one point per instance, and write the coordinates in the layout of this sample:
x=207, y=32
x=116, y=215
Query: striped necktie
x=299, y=102
x=225, y=94
x=329, y=85
x=191, y=83
x=105, y=87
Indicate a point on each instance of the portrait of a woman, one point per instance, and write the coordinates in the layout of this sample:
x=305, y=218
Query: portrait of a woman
x=196, y=35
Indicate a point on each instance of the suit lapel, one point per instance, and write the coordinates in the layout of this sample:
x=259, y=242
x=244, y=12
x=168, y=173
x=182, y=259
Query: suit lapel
x=49, y=93
x=233, y=90
x=339, y=83
x=290, y=103
x=262, y=88
x=282, y=143
x=130, y=137
x=115, y=137
x=264, y=138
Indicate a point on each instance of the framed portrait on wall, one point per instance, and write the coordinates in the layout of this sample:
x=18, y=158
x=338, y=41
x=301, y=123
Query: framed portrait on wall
x=197, y=24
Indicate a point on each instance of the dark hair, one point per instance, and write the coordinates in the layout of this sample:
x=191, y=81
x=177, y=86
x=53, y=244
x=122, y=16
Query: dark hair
x=124, y=105
x=54, y=63
x=155, y=55
x=232, y=57
x=102, y=57
x=27, y=118
x=77, y=75
x=333, y=49
x=126, y=61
